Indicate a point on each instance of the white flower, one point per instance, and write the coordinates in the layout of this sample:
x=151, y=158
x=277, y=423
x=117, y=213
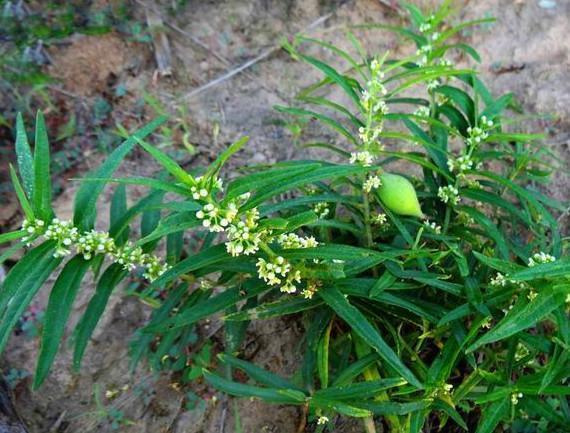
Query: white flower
x=217, y=219
x=310, y=290
x=364, y=158
x=515, y=397
x=32, y=228
x=273, y=272
x=461, y=164
x=499, y=280
x=373, y=182
x=448, y=194
x=291, y=240
x=244, y=237
x=432, y=226
x=321, y=209
x=477, y=135
x=433, y=84
x=380, y=219
x=422, y=111
x=445, y=62
x=322, y=420
x=540, y=257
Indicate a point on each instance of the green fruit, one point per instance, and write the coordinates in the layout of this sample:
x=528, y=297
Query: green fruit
x=399, y=195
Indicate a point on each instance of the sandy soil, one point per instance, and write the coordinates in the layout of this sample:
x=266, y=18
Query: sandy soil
x=525, y=52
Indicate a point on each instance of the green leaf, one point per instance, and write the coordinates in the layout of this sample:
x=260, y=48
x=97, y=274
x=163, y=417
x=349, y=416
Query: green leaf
x=168, y=163
x=272, y=395
x=210, y=306
x=24, y=157
x=41, y=200
x=520, y=319
x=59, y=306
x=329, y=121
x=108, y=281
x=10, y=236
x=216, y=166
x=492, y=415
x=23, y=200
x=358, y=322
x=118, y=209
x=88, y=193
x=21, y=285
x=204, y=258
x=256, y=373
x=331, y=73
x=361, y=390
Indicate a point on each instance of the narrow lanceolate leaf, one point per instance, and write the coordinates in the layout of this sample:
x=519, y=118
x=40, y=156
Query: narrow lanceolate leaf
x=10, y=236
x=272, y=395
x=41, y=201
x=256, y=373
x=108, y=281
x=24, y=203
x=361, y=390
x=204, y=258
x=86, y=198
x=521, y=319
x=24, y=157
x=22, y=284
x=360, y=324
x=492, y=415
x=59, y=306
x=168, y=163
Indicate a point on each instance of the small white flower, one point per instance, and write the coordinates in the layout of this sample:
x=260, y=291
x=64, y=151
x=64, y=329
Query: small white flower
x=291, y=240
x=432, y=226
x=322, y=420
x=448, y=194
x=540, y=257
x=372, y=182
x=515, y=397
x=380, y=219
x=364, y=158
x=321, y=209
x=499, y=280
x=422, y=111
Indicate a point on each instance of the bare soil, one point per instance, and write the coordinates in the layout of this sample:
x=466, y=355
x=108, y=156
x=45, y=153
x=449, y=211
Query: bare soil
x=525, y=52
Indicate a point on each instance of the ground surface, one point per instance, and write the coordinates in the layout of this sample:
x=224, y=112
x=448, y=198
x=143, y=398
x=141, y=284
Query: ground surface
x=526, y=52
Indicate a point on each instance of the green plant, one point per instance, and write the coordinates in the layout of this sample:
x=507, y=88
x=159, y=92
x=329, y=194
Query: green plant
x=456, y=321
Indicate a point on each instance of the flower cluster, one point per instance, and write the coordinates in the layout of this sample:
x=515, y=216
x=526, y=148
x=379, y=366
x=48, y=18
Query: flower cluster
x=515, y=397
x=379, y=219
x=322, y=420
x=375, y=108
x=422, y=111
x=291, y=240
x=312, y=288
x=448, y=194
x=95, y=242
x=479, y=134
x=372, y=182
x=244, y=237
x=540, y=257
x=461, y=164
x=321, y=209
x=33, y=228
x=499, y=280
x=365, y=158
x=432, y=226
x=278, y=272
x=204, y=187
x=64, y=234
x=91, y=243
x=215, y=218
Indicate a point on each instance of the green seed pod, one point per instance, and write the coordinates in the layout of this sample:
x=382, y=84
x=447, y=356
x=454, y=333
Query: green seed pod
x=399, y=195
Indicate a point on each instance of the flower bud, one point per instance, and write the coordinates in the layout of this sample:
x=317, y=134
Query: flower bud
x=399, y=195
